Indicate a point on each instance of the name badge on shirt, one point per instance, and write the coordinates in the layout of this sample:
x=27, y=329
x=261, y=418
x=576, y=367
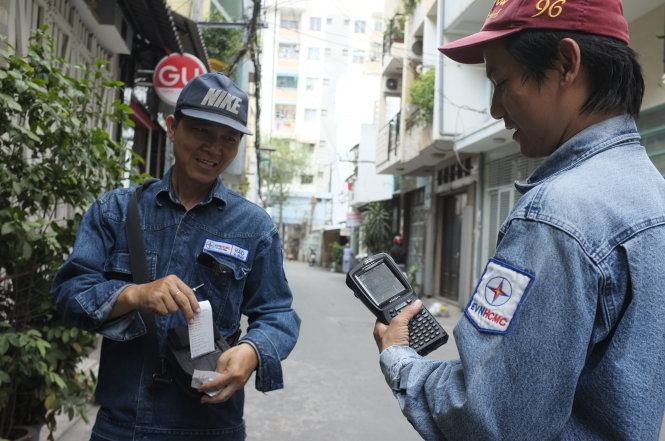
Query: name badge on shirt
x=226, y=249
x=497, y=297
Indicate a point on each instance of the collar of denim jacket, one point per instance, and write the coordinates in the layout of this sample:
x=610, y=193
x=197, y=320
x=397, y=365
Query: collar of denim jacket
x=165, y=190
x=594, y=139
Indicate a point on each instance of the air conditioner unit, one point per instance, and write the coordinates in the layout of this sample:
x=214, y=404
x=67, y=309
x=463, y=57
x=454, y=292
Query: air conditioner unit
x=392, y=85
x=417, y=48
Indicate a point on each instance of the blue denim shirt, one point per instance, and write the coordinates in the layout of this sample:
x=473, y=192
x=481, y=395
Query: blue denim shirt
x=88, y=284
x=584, y=355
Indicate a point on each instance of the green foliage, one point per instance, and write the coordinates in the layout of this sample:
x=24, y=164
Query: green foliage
x=336, y=253
x=54, y=154
x=408, y=6
x=395, y=28
x=222, y=43
x=411, y=273
x=376, y=228
x=282, y=166
x=422, y=95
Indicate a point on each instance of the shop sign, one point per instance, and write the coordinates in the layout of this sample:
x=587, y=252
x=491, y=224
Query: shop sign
x=173, y=72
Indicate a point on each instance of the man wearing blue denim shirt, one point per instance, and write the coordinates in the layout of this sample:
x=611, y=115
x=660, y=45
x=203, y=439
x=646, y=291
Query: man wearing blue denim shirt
x=563, y=336
x=195, y=231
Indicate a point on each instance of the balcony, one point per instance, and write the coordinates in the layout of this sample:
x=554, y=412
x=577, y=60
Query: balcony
x=393, y=45
x=387, y=147
x=422, y=149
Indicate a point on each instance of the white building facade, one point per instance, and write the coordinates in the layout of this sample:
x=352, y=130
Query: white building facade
x=320, y=67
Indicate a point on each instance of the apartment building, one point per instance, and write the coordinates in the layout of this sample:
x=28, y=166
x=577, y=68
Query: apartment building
x=321, y=62
x=463, y=162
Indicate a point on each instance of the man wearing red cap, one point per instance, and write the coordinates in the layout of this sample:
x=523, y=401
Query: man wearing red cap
x=563, y=335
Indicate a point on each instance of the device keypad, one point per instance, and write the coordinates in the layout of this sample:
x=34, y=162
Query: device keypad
x=423, y=328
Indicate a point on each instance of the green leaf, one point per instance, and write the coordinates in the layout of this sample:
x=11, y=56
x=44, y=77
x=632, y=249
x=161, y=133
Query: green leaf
x=10, y=102
x=49, y=402
x=7, y=228
x=26, y=251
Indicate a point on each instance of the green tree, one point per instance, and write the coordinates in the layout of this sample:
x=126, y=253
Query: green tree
x=282, y=166
x=376, y=228
x=422, y=95
x=223, y=44
x=54, y=153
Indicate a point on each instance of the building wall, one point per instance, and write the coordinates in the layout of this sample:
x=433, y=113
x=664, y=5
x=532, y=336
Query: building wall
x=643, y=38
x=319, y=84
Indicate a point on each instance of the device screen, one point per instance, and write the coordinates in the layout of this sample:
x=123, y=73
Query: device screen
x=380, y=283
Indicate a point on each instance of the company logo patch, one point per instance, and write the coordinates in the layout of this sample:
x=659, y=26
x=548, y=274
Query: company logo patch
x=497, y=297
x=227, y=249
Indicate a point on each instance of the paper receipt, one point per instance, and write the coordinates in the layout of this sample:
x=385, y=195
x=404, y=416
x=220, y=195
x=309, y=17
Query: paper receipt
x=201, y=335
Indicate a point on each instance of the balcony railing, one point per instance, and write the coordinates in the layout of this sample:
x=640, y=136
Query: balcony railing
x=388, y=140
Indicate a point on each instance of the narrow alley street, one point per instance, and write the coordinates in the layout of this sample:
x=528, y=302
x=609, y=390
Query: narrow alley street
x=334, y=387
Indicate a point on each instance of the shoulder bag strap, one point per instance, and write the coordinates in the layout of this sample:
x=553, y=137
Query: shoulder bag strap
x=153, y=362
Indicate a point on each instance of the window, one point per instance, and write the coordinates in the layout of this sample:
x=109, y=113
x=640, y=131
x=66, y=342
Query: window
x=289, y=50
x=288, y=23
x=358, y=56
x=345, y=52
x=285, y=112
x=310, y=114
x=359, y=27
x=287, y=81
x=313, y=53
x=326, y=82
x=310, y=83
x=346, y=21
x=322, y=143
x=378, y=26
x=324, y=112
x=315, y=23
x=306, y=179
x=326, y=51
x=329, y=20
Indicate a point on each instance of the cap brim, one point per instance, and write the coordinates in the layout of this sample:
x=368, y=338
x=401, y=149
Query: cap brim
x=216, y=118
x=469, y=50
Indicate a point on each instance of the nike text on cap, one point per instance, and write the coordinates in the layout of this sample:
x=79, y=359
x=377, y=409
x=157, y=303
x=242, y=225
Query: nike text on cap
x=214, y=97
x=601, y=17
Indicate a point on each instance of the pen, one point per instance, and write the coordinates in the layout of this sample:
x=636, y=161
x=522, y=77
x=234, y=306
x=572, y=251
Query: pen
x=197, y=287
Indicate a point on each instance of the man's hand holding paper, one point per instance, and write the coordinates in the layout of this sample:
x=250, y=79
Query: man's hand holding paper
x=235, y=366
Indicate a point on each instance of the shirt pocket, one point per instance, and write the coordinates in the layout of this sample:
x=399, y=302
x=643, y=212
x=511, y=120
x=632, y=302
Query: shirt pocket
x=118, y=267
x=224, y=280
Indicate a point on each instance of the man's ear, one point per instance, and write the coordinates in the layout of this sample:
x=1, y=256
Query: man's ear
x=170, y=126
x=569, y=60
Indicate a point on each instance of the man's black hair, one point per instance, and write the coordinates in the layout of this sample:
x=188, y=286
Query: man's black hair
x=615, y=76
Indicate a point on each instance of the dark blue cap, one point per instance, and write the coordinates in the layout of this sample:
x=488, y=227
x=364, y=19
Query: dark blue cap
x=214, y=97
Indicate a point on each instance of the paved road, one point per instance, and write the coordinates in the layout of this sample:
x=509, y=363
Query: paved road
x=334, y=387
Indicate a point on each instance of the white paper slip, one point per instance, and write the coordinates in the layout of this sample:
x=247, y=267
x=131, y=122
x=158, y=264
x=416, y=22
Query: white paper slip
x=201, y=335
x=199, y=378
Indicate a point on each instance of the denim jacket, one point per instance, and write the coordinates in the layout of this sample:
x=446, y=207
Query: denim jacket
x=225, y=242
x=583, y=355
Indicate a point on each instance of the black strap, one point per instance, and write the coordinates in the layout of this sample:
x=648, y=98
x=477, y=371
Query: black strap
x=154, y=371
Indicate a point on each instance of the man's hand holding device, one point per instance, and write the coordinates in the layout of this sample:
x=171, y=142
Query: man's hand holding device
x=401, y=319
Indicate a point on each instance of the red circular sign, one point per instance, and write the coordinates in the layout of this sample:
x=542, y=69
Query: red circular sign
x=173, y=72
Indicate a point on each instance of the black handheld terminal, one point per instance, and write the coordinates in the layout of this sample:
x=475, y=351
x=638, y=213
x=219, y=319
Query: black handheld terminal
x=383, y=288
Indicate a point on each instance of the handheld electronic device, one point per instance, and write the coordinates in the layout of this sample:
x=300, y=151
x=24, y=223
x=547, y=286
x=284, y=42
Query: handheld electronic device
x=383, y=288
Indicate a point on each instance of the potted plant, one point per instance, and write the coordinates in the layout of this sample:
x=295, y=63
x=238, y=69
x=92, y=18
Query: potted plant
x=376, y=228
x=55, y=156
x=336, y=255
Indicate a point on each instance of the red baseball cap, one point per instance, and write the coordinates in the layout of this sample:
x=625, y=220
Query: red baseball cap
x=601, y=17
